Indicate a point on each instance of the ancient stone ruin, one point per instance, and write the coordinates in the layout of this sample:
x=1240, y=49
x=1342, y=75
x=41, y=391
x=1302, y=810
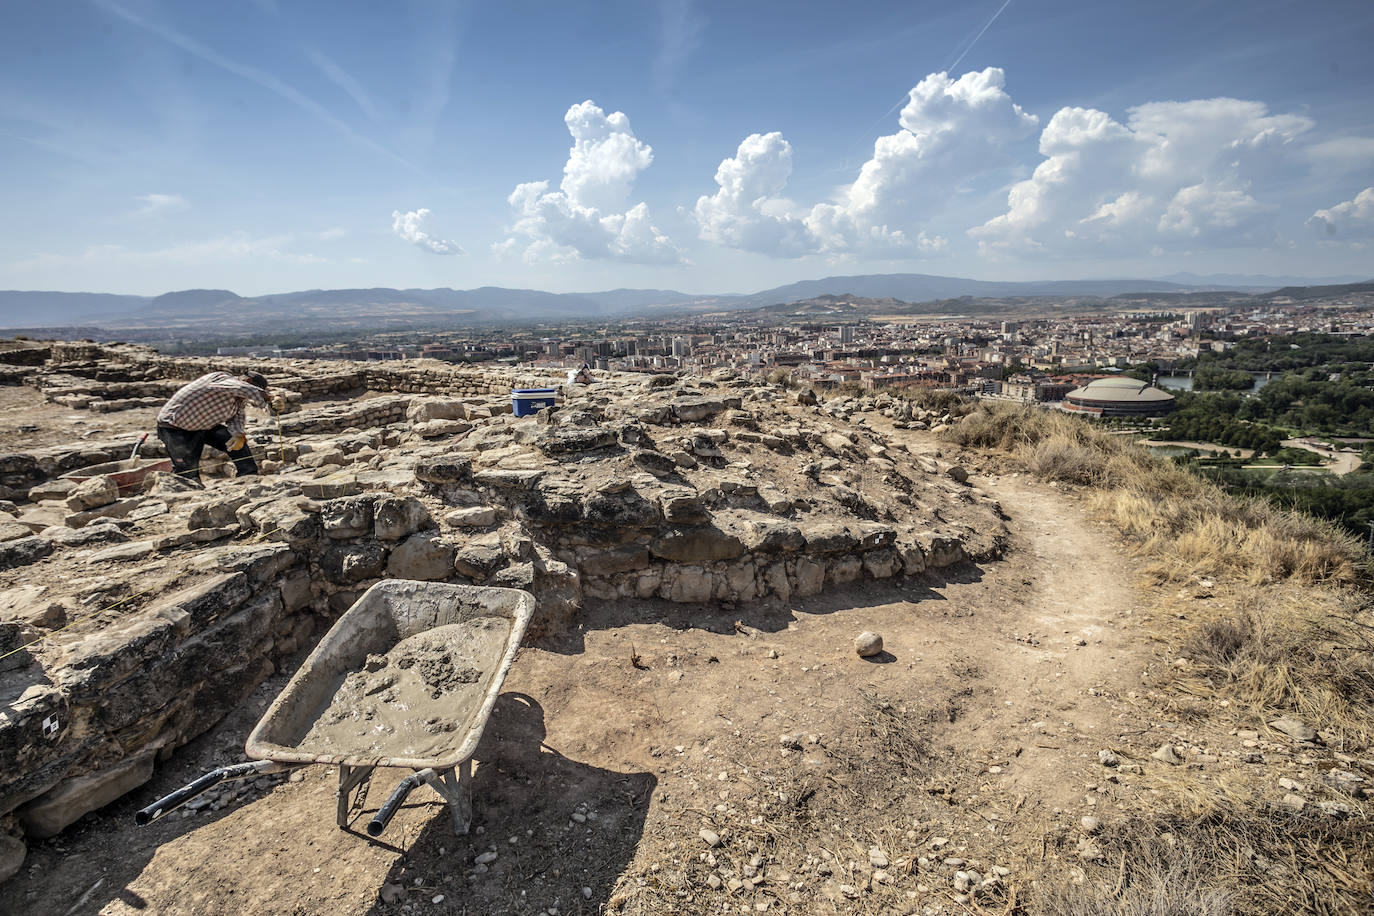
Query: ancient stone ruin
x=135, y=618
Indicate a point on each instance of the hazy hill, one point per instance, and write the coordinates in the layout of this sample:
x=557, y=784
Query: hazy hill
x=33, y=308
x=189, y=300
x=1254, y=281
x=1319, y=292
x=217, y=309
x=926, y=287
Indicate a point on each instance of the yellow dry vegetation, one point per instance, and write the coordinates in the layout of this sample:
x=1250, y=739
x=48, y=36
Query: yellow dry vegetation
x=1294, y=633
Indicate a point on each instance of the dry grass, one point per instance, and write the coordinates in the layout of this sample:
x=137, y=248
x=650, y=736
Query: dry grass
x=1235, y=857
x=1296, y=634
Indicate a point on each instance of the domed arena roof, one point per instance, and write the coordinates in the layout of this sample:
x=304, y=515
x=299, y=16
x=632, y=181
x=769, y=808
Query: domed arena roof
x=1122, y=388
x=1119, y=396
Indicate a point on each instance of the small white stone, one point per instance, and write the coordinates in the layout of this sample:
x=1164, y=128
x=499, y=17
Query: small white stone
x=868, y=644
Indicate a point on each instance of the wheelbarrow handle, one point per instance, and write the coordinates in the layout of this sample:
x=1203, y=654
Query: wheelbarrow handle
x=211, y=779
x=393, y=804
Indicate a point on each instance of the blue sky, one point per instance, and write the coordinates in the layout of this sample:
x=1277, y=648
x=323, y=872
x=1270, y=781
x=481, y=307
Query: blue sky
x=708, y=147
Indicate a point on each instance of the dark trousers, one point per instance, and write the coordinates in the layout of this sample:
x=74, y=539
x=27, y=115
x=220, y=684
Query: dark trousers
x=184, y=447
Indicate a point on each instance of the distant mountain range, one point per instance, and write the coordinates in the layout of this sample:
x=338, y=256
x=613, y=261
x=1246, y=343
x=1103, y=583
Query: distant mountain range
x=204, y=309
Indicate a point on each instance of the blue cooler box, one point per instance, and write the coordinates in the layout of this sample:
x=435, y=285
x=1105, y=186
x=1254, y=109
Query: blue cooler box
x=528, y=401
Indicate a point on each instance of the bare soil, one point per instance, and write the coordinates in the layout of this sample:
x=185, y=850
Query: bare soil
x=28, y=421
x=974, y=736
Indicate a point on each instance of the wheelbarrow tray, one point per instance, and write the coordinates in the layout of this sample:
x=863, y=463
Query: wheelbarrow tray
x=128, y=474
x=387, y=613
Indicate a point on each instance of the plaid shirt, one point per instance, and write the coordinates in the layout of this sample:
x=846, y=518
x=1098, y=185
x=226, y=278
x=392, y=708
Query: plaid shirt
x=212, y=400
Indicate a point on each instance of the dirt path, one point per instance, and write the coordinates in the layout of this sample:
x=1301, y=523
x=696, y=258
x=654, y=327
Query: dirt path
x=1341, y=462
x=610, y=750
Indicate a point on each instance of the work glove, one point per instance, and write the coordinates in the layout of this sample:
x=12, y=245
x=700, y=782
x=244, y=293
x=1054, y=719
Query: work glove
x=277, y=401
x=238, y=442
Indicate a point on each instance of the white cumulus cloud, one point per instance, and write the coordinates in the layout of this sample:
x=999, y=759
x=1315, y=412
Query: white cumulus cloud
x=161, y=204
x=950, y=131
x=410, y=227
x=1175, y=175
x=589, y=216
x=1351, y=219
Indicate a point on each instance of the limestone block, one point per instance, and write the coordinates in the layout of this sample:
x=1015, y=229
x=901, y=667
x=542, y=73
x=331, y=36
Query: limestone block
x=809, y=576
x=12, y=853
x=295, y=591
x=57, y=488
x=845, y=569
x=882, y=563
x=260, y=562
x=691, y=585
x=422, y=410
x=47, y=815
x=622, y=509
x=123, y=553
x=323, y=457
x=837, y=442
x=437, y=429
x=194, y=536
x=772, y=536
x=692, y=410
x=697, y=545
x=517, y=575
x=683, y=507
x=478, y=559
x=508, y=479
x=471, y=517
x=569, y=440
x=829, y=537
x=422, y=556
x=940, y=550
x=117, y=509
x=598, y=563
x=24, y=551
x=347, y=518
x=775, y=580
x=93, y=493
x=396, y=517
x=15, y=634
x=346, y=564
x=647, y=582
x=874, y=534
x=740, y=581
x=913, y=559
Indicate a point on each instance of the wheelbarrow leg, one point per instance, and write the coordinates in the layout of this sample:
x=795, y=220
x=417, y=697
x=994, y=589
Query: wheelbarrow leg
x=349, y=779
x=455, y=785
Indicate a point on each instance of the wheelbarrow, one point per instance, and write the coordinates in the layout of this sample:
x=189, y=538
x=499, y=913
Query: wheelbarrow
x=356, y=704
x=128, y=474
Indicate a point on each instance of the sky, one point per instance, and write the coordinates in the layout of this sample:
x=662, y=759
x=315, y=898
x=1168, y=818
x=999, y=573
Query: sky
x=273, y=145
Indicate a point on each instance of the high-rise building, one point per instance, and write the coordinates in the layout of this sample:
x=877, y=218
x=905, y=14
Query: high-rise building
x=682, y=347
x=846, y=333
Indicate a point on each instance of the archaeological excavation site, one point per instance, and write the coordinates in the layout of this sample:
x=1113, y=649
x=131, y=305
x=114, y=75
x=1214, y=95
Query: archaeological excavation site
x=663, y=643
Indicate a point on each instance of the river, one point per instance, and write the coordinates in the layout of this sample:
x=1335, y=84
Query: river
x=1185, y=382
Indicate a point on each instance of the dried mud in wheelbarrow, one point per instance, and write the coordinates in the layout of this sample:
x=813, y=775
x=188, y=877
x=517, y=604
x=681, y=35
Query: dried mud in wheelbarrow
x=406, y=678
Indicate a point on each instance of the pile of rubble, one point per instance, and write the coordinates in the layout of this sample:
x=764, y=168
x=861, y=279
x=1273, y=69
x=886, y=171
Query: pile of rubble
x=134, y=621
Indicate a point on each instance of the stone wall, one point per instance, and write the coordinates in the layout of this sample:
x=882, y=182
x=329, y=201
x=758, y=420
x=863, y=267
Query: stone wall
x=163, y=671
x=26, y=356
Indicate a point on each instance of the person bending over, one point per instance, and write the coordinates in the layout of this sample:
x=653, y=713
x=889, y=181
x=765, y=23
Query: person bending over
x=210, y=411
